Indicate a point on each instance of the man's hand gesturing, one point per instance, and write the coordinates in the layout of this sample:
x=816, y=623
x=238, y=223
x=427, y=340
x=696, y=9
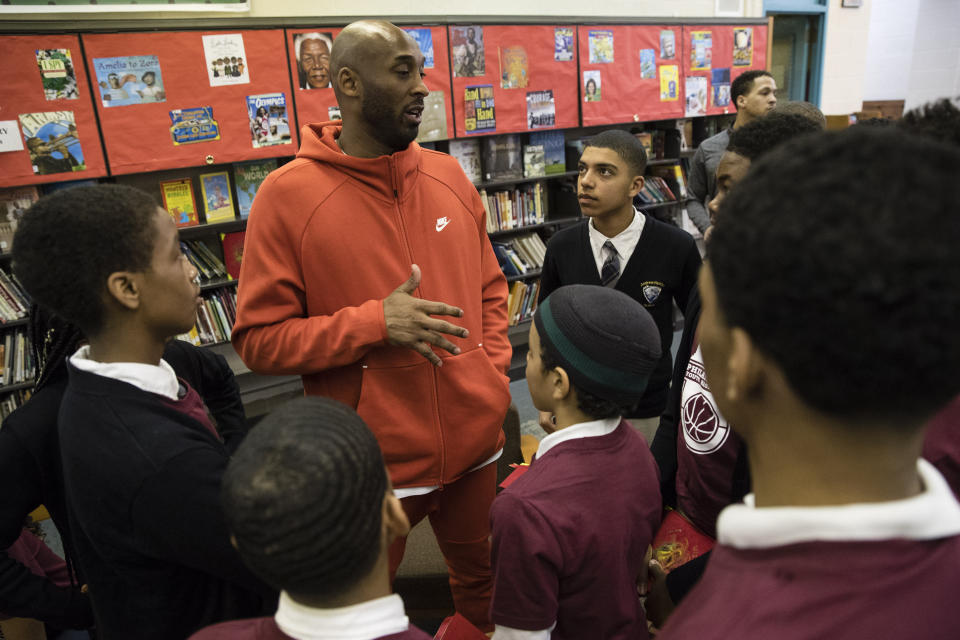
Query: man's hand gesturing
x=410, y=325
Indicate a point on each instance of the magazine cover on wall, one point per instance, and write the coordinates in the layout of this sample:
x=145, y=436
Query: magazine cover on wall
x=312, y=51
x=424, y=38
x=226, y=59
x=648, y=64
x=129, y=80
x=563, y=44
x=720, y=81
x=514, y=68
x=591, y=86
x=466, y=47
x=696, y=96
x=269, y=124
x=52, y=140
x=668, y=44
x=669, y=81
x=57, y=74
x=541, y=109
x=601, y=47
x=479, y=112
x=742, y=47
x=701, y=50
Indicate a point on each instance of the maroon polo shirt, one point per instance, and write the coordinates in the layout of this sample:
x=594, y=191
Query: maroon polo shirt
x=267, y=629
x=569, y=539
x=886, y=590
x=707, y=451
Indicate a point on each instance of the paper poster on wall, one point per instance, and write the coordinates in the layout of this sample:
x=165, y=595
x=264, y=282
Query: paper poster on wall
x=541, y=109
x=424, y=38
x=563, y=44
x=129, y=80
x=466, y=47
x=193, y=125
x=479, y=114
x=313, y=59
x=10, y=139
x=591, y=86
x=269, y=124
x=669, y=81
x=514, y=68
x=668, y=44
x=226, y=59
x=601, y=47
x=57, y=74
x=701, y=50
x=696, y=96
x=743, y=47
x=720, y=81
x=53, y=143
x=648, y=64
x=433, y=122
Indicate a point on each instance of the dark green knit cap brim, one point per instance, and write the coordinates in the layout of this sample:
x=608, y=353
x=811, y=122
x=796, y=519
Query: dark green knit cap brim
x=607, y=342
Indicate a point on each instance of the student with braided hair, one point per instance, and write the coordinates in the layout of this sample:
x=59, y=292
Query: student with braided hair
x=312, y=512
x=141, y=458
x=31, y=473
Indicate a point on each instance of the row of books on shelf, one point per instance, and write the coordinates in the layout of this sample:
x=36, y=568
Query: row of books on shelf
x=521, y=255
x=522, y=301
x=656, y=190
x=505, y=157
x=16, y=357
x=14, y=302
x=514, y=208
x=215, y=318
x=209, y=264
x=12, y=401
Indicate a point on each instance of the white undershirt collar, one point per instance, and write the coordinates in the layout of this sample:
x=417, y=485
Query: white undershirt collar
x=409, y=492
x=590, y=429
x=160, y=379
x=932, y=514
x=624, y=242
x=365, y=621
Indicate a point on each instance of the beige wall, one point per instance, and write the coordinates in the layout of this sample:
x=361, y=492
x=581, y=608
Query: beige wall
x=444, y=8
x=844, y=58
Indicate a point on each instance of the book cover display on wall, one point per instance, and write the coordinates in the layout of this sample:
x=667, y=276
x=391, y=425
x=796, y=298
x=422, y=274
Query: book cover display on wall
x=527, y=73
x=502, y=157
x=554, y=155
x=179, y=201
x=715, y=55
x=48, y=128
x=188, y=97
x=217, y=198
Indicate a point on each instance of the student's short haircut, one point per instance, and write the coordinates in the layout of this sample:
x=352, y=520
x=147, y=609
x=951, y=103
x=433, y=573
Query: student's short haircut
x=303, y=496
x=939, y=120
x=801, y=108
x=69, y=242
x=625, y=145
x=756, y=138
x=838, y=258
x=743, y=83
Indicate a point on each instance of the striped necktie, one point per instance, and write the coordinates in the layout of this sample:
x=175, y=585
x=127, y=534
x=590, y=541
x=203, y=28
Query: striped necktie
x=611, y=266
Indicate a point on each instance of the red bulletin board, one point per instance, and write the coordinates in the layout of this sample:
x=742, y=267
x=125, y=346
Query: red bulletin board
x=314, y=105
x=721, y=57
x=138, y=136
x=23, y=93
x=625, y=96
x=544, y=73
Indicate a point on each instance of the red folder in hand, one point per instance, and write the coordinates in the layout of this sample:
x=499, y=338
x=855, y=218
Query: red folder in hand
x=678, y=542
x=456, y=627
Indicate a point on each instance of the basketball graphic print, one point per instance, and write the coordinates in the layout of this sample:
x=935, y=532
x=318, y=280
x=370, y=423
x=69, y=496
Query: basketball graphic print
x=704, y=431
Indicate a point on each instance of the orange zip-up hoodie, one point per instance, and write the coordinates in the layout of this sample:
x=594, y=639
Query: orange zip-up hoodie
x=329, y=237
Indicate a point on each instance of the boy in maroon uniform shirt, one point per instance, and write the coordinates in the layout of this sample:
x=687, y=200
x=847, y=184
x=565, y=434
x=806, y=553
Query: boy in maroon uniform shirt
x=828, y=338
x=312, y=513
x=570, y=535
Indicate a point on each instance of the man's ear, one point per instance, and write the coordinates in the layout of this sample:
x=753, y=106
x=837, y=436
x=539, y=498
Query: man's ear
x=747, y=367
x=349, y=82
x=125, y=287
x=395, y=521
x=636, y=185
x=741, y=101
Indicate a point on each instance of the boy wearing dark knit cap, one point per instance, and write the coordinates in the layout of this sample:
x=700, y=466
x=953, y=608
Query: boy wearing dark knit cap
x=570, y=535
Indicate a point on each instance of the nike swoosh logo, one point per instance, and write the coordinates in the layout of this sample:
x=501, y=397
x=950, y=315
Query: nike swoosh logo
x=441, y=223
